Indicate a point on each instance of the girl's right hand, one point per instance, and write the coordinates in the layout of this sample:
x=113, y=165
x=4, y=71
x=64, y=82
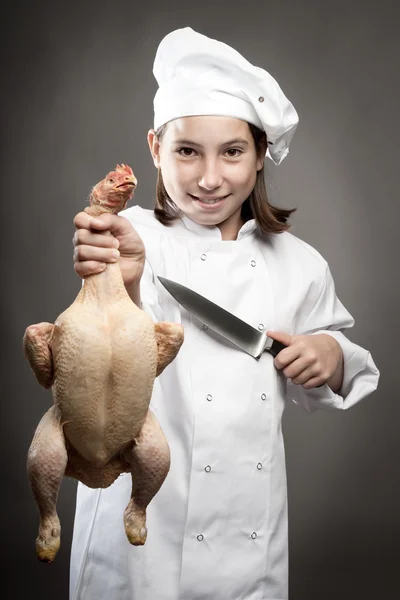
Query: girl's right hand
x=105, y=239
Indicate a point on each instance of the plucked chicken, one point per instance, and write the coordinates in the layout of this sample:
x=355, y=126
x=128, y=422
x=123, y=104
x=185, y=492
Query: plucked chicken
x=100, y=359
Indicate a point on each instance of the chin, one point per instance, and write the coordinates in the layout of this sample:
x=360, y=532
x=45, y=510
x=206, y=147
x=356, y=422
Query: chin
x=208, y=219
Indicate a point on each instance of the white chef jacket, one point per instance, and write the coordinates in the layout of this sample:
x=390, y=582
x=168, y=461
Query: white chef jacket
x=217, y=529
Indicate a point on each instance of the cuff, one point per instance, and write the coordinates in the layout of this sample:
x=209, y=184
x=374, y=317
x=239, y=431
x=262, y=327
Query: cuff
x=360, y=379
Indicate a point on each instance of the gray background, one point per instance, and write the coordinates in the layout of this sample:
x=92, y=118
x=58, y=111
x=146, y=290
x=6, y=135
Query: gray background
x=77, y=98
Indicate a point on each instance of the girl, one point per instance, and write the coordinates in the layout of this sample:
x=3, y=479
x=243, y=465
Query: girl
x=217, y=529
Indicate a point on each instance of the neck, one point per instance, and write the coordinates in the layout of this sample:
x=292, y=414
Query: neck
x=95, y=210
x=104, y=288
x=230, y=228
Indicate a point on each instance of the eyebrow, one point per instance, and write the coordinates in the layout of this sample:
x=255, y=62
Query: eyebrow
x=235, y=141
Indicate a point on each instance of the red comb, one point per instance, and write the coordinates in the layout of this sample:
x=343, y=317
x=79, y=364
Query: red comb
x=123, y=169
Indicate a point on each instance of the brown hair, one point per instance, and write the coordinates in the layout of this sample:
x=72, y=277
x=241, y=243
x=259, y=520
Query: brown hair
x=269, y=218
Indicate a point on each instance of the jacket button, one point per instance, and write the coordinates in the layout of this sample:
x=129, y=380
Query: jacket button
x=205, y=327
x=200, y=537
x=209, y=397
x=261, y=99
x=253, y=263
x=254, y=535
x=207, y=469
x=203, y=256
x=263, y=397
x=259, y=466
x=261, y=326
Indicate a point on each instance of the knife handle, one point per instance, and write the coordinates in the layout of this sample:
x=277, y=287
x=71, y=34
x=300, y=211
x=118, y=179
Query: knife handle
x=276, y=348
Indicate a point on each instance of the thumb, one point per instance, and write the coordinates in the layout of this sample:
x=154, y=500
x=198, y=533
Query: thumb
x=103, y=221
x=118, y=226
x=280, y=336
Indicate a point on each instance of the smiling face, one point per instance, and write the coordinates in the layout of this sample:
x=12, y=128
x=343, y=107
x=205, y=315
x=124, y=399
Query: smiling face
x=209, y=167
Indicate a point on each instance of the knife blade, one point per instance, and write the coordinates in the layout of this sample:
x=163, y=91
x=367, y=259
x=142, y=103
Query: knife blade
x=230, y=327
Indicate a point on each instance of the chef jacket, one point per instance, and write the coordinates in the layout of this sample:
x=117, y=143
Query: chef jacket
x=217, y=528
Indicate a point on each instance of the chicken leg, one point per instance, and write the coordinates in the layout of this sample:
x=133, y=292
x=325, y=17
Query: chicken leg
x=47, y=460
x=149, y=458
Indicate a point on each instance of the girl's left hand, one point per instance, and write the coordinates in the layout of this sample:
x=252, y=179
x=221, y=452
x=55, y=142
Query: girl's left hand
x=309, y=360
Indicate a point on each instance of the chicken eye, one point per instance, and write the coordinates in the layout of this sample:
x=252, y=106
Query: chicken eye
x=111, y=180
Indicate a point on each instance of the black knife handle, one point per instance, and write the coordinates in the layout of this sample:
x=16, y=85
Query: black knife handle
x=276, y=348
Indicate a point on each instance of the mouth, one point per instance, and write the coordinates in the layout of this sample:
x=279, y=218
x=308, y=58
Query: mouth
x=210, y=202
x=132, y=183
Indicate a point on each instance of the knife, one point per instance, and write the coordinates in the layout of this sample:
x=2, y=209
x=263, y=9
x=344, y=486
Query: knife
x=240, y=333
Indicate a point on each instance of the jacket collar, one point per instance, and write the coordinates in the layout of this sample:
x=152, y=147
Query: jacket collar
x=212, y=231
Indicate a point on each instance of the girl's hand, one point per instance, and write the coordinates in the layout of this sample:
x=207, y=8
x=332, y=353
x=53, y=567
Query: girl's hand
x=310, y=360
x=106, y=239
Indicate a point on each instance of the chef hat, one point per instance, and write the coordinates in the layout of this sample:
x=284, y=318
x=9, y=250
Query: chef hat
x=198, y=75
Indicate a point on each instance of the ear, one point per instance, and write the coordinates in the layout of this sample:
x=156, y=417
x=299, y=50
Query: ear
x=154, y=146
x=261, y=157
x=260, y=162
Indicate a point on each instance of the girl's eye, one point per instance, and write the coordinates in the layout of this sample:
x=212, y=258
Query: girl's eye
x=182, y=151
x=234, y=150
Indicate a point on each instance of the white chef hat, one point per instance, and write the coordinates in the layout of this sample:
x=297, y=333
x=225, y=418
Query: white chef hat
x=198, y=75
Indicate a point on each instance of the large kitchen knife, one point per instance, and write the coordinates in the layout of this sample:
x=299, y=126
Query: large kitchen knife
x=232, y=328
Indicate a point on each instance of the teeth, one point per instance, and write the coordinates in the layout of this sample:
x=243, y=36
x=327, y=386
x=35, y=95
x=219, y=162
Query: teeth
x=210, y=201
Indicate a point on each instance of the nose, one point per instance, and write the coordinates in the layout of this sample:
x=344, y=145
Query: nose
x=211, y=176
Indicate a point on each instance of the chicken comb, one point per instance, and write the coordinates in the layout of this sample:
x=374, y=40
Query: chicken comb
x=123, y=169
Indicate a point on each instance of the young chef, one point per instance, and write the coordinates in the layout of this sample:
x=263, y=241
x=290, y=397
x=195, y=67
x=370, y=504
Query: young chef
x=217, y=529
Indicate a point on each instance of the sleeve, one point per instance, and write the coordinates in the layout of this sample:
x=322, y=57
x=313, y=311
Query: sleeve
x=361, y=375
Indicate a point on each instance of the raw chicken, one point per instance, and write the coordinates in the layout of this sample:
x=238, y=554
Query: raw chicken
x=100, y=358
